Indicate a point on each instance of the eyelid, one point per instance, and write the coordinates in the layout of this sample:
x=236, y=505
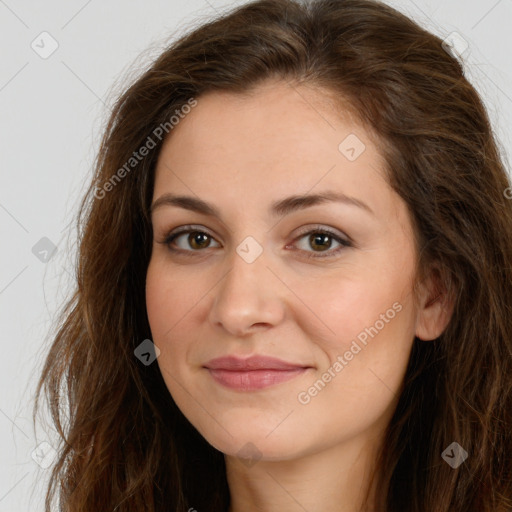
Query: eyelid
x=324, y=229
x=183, y=230
x=344, y=240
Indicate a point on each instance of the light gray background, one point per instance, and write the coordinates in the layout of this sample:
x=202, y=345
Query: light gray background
x=52, y=113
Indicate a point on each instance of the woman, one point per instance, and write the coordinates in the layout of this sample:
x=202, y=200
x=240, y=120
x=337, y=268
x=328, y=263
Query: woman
x=294, y=279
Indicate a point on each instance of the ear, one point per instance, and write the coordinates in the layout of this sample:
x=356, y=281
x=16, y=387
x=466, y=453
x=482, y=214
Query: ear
x=435, y=306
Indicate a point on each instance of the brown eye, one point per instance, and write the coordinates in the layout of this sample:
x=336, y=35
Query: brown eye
x=190, y=240
x=313, y=243
x=198, y=240
x=320, y=241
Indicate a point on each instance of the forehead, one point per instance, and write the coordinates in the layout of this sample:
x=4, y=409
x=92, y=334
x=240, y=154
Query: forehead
x=278, y=140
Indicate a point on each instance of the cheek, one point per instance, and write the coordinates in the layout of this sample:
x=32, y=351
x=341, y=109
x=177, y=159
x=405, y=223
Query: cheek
x=364, y=364
x=365, y=342
x=356, y=306
x=169, y=298
x=158, y=302
x=166, y=309
x=366, y=349
x=173, y=301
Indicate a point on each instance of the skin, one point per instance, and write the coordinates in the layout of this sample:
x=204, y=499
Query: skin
x=241, y=154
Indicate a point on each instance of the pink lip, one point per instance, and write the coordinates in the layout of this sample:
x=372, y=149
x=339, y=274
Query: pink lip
x=256, y=372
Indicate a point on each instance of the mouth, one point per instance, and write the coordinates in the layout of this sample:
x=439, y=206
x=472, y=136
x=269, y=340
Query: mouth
x=254, y=373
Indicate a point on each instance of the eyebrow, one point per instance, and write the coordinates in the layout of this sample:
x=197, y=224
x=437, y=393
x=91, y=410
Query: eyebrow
x=278, y=208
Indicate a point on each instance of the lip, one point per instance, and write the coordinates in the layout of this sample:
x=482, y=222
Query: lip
x=252, y=363
x=253, y=373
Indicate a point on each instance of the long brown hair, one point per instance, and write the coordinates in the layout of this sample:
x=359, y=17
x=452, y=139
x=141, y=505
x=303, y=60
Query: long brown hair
x=125, y=446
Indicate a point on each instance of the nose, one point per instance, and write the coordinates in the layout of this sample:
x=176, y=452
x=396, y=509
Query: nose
x=248, y=298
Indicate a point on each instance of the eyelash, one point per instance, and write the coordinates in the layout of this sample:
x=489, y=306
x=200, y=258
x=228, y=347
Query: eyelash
x=171, y=237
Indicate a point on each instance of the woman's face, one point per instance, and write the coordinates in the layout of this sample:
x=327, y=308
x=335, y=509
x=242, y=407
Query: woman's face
x=264, y=267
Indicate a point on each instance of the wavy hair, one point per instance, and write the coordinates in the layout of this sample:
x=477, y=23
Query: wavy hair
x=124, y=444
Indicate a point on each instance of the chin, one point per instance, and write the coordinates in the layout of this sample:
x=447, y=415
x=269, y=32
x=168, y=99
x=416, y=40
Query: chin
x=252, y=450
x=254, y=440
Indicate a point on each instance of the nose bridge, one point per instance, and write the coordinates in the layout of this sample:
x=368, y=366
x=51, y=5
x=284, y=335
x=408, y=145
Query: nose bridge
x=248, y=293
